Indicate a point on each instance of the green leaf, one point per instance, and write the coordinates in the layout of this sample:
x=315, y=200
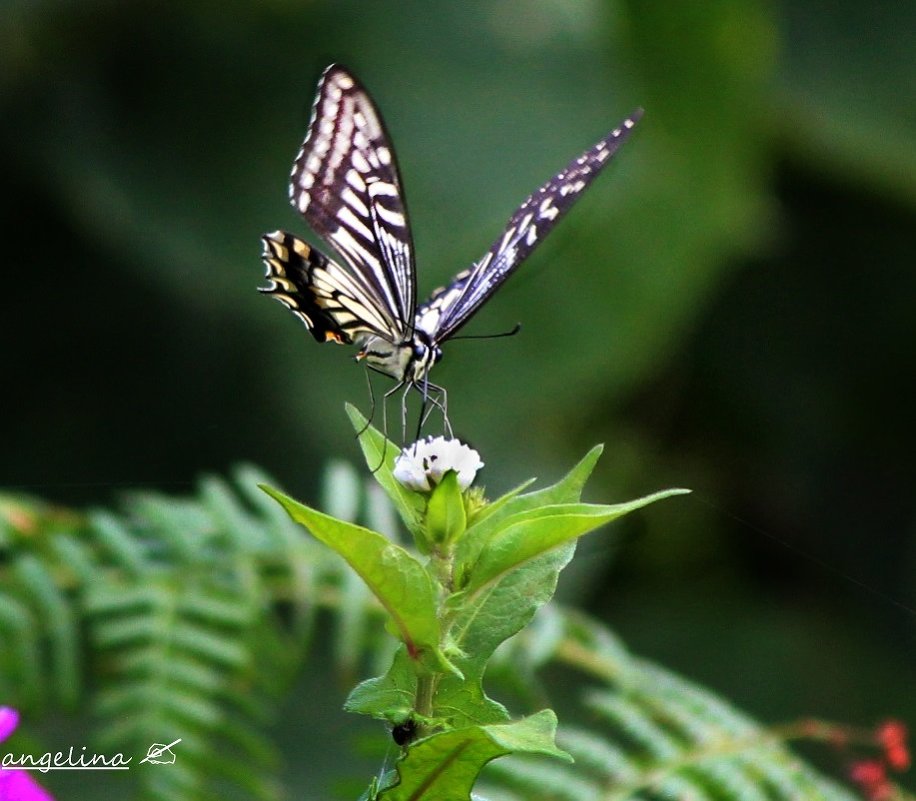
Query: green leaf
x=445, y=766
x=567, y=490
x=399, y=582
x=534, y=734
x=446, y=518
x=459, y=698
x=382, y=695
x=493, y=507
x=533, y=532
x=380, y=454
x=487, y=619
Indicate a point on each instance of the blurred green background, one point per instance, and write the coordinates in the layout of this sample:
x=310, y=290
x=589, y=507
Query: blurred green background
x=731, y=307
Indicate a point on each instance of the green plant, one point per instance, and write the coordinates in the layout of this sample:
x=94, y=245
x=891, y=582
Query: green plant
x=191, y=617
x=490, y=567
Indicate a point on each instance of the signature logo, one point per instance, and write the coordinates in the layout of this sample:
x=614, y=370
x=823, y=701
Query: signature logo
x=79, y=759
x=159, y=754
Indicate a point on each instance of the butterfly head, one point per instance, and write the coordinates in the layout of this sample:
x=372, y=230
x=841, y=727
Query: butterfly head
x=424, y=354
x=409, y=360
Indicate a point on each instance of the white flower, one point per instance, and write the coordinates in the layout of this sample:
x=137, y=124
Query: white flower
x=421, y=466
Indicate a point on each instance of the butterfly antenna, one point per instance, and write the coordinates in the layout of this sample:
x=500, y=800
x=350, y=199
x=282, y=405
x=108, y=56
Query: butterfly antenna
x=512, y=333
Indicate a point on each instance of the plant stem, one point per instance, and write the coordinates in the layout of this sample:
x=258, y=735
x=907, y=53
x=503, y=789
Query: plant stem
x=443, y=567
x=426, y=686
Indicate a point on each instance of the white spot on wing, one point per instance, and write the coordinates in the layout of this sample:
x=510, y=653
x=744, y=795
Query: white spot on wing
x=350, y=198
x=360, y=162
x=390, y=217
x=383, y=188
x=356, y=180
x=346, y=216
x=547, y=209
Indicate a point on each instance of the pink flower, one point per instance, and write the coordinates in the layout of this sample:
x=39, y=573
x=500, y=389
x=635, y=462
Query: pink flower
x=15, y=784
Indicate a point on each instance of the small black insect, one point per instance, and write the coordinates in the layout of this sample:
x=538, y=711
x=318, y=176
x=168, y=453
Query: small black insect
x=404, y=733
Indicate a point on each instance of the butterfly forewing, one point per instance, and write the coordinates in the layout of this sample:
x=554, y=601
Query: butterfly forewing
x=450, y=307
x=345, y=183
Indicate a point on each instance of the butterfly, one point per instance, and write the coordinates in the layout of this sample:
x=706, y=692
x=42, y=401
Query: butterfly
x=346, y=185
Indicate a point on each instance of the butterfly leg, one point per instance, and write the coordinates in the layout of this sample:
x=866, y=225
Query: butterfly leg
x=385, y=397
x=425, y=409
x=372, y=416
x=371, y=407
x=407, y=385
x=424, y=412
x=434, y=397
x=442, y=403
x=388, y=394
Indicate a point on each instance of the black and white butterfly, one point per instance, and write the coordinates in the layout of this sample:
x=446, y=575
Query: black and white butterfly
x=345, y=183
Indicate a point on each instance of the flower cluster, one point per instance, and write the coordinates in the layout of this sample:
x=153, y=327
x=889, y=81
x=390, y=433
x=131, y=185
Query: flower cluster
x=872, y=774
x=892, y=737
x=422, y=466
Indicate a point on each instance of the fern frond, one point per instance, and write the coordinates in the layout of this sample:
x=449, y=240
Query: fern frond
x=39, y=628
x=192, y=639
x=194, y=613
x=653, y=735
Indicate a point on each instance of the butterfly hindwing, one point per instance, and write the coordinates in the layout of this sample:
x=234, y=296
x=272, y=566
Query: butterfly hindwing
x=451, y=307
x=322, y=294
x=345, y=183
